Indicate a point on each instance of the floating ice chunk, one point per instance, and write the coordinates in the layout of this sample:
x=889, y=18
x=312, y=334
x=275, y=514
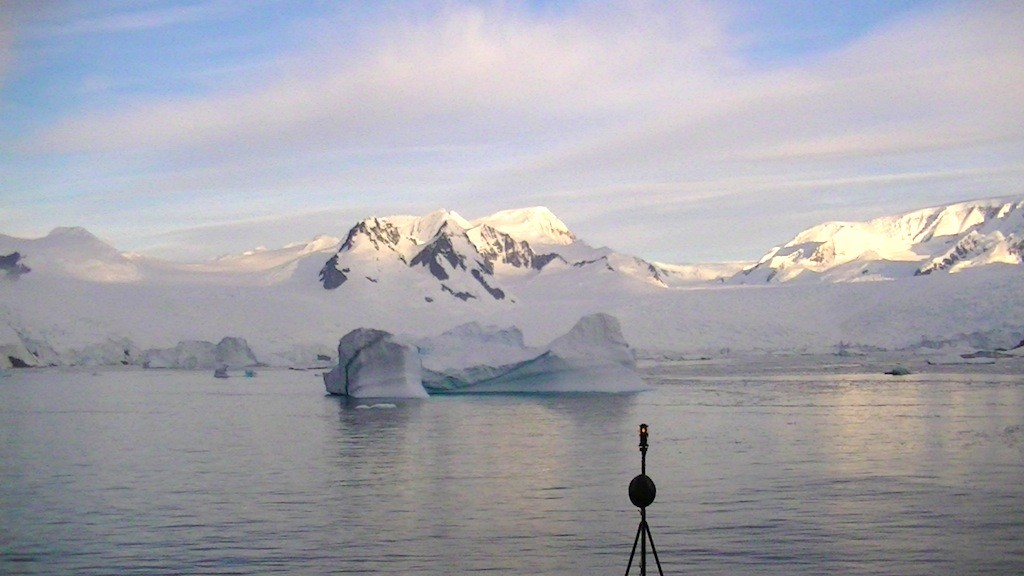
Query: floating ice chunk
x=598, y=338
x=471, y=359
x=472, y=353
x=230, y=352
x=376, y=364
x=957, y=359
x=592, y=357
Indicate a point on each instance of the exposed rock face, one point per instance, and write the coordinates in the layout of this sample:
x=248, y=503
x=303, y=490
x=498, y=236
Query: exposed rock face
x=497, y=246
x=460, y=295
x=439, y=251
x=438, y=243
x=331, y=276
x=497, y=293
x=379, y=233
x=469, y=260
x=370, y=235
x=12, y=267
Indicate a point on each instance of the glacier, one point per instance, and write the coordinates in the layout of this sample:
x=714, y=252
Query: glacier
x=13, y=351
x=926, y=282
x=473, y=359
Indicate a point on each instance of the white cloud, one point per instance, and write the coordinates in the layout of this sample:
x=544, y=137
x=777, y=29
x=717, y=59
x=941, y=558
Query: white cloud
x=645, y=105
x=948, y=84
x=467, y=74
x=131, y=17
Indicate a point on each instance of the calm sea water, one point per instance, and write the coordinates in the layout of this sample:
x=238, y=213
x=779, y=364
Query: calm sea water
x=787, y=467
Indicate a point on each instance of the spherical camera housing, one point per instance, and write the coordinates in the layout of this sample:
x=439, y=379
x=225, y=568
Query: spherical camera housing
x=642, y=491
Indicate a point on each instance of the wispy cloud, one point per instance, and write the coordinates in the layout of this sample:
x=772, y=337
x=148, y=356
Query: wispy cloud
x=931, y=90
x=467, y=74
x=654, y=106
x=121, y=17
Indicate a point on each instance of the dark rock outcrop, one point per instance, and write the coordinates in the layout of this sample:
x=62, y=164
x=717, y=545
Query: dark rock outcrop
x=12, y=266
x=330, y=276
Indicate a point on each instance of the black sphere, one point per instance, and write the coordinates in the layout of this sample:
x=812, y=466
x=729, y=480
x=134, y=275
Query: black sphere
x=642, y=491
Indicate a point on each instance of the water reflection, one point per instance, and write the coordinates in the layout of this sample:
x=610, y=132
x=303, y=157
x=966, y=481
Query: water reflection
x=478, y=473
x=781, y=473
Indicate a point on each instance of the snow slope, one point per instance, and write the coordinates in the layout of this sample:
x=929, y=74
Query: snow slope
x=73, y=252
x=952, y=275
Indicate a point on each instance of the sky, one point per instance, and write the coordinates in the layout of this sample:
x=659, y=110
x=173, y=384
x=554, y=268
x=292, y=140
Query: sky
x=677, y=131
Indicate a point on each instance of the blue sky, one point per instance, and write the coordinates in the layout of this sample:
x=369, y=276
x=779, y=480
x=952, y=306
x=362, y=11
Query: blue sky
x=677, y=131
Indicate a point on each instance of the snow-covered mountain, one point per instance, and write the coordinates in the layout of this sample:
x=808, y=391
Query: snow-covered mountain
x=954, y=271
x=73, y=252
x=443, y=255
x=939, y=239
x=76, y=254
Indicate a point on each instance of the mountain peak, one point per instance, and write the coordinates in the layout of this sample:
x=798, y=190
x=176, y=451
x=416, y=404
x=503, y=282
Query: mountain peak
x=372, y=234
x=423, y=228
x=321, y=243
x=536, y=225
x=71, y=232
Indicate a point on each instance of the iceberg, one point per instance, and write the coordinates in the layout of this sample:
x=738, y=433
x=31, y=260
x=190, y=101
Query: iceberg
x=472, y=359
x=375, y=364
x=230, y=352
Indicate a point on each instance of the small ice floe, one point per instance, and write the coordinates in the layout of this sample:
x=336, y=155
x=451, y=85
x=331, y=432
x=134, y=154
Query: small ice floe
x=380, y=406
x=898, y=371
x=959, y=359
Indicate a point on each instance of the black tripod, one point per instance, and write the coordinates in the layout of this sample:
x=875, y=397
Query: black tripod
x=641, y=494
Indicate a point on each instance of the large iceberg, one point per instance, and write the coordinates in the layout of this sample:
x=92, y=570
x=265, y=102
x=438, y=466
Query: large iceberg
x=473, y=359
x=375, y=364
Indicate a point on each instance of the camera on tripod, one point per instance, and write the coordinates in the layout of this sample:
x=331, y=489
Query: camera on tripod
x=641, y=494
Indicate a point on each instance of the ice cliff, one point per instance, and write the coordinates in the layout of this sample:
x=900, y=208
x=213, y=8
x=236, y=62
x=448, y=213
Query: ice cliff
x=472, y=359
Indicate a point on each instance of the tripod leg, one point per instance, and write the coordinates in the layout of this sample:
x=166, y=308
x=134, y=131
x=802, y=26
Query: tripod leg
x=653, y=551
x=639, y=533
x=643, y=549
